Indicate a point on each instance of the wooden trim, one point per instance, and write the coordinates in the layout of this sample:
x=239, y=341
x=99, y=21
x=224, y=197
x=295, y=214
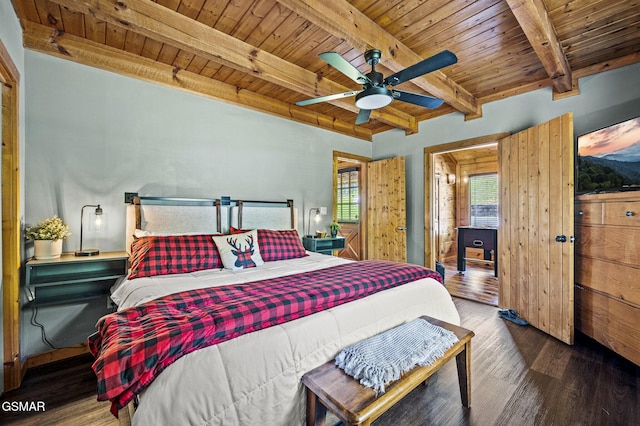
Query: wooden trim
x=136, y=203
x=609, y=196
x=293, y=216
x=125, y=414
x=8, y=70
x=429, y=152
x=362, y=235
x=11, y=231
x=57, y=355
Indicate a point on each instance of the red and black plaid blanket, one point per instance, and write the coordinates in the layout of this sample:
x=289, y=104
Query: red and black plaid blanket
x=134, y=345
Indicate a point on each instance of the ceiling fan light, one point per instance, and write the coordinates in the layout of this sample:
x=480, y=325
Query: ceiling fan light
x=374, y=98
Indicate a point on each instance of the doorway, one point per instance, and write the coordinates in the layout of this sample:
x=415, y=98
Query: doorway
x=449, y=170
x=349, y=202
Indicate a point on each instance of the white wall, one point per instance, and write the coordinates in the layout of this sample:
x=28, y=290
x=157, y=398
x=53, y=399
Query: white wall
x=92, y=135
x=605, y=98
x=11, y=36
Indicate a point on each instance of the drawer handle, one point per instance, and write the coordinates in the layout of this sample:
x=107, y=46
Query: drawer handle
x=629, y=214
x=478, y=243
x=580, y=213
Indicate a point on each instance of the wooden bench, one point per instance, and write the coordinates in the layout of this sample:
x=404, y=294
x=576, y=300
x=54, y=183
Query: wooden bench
x=328, y=387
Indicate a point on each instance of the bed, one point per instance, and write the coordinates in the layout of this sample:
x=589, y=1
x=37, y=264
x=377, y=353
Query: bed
x=255, y=378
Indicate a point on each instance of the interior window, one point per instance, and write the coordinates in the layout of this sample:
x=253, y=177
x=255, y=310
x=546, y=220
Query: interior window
x=348, y=195
x=483, y=190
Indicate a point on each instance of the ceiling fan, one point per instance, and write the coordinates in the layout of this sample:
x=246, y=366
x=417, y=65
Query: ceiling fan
x=374, y=93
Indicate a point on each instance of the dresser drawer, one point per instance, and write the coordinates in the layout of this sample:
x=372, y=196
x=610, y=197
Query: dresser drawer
x=613, y=323
x=615, y=244
x=622, y=213
x=588, y=213
x=621, y=282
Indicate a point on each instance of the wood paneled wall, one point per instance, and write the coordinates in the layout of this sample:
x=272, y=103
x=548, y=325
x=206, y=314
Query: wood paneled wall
x=445, y=213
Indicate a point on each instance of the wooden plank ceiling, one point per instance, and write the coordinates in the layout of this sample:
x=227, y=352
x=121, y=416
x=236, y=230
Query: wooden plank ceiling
x=263, y=54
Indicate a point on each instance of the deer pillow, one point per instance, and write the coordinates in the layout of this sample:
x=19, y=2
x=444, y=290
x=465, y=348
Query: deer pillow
x=239, y=251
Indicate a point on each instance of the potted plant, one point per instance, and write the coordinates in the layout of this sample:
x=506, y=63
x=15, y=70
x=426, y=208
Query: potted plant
x=334, y=229
x=47, y=237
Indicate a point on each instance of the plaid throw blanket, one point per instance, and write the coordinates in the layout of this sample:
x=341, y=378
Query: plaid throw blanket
x=134, y=345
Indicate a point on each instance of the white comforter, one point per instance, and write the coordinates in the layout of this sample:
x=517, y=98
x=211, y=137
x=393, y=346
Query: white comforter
x=255, y=379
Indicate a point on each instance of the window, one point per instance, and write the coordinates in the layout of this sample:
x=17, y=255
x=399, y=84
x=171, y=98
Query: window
x=348, y=195
x=483, y=190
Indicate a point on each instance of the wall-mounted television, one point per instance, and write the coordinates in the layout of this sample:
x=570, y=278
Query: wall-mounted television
x=609, y=159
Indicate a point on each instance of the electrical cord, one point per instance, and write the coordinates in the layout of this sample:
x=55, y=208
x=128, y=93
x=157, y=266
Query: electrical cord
x=35, y=323
x=34, y=314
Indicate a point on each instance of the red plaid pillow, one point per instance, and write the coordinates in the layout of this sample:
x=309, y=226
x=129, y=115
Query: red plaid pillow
x=176, y=254
x=280, y=245
x=277, y=245
x=233, y=230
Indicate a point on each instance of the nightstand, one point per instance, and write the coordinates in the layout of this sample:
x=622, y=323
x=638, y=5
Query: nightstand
x=70, y=278
x=323, y=245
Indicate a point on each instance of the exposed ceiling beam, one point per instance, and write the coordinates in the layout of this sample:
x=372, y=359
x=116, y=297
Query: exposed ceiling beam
x=534, y=19
x=53, y=42
x=343, y=20
x=150, y=20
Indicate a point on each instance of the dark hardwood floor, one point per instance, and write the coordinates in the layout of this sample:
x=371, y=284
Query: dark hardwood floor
x=520, y=376
x=478, y=283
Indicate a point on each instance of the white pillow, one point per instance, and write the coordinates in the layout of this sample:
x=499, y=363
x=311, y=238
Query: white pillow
x=239, y=251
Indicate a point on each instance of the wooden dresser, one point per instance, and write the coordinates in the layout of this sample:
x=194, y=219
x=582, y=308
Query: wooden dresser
x=607, y=270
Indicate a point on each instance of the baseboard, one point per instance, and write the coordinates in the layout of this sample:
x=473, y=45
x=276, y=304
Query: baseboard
x=56, y=355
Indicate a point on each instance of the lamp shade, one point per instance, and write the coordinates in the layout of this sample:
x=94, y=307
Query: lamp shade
x=373, y=98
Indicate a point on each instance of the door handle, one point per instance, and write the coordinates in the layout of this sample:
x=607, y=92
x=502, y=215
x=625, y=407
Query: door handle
x=402, y=228
x=561, y=238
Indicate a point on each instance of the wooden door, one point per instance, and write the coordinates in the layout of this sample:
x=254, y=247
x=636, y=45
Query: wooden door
x=351, y=233
x=386, y=210
x=536, y=207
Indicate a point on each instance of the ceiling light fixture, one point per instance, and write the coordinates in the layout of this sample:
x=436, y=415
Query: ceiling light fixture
x=373, y=98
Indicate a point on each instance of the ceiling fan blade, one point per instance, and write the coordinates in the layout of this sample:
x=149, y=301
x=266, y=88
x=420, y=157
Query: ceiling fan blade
x=440, y=60
x=363, y=116
x=416, y=99
x=341, y=64
x=328, y=98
